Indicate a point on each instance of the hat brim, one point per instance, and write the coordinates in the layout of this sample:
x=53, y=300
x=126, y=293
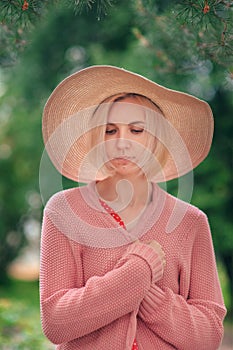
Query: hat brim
x=84, y=90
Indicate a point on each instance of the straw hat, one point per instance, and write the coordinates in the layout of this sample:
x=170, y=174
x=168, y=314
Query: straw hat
x=72, y=103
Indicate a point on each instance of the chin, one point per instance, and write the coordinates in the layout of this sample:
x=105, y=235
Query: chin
x=130, y=170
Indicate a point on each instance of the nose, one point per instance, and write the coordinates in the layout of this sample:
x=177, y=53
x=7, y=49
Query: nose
x=122, y=143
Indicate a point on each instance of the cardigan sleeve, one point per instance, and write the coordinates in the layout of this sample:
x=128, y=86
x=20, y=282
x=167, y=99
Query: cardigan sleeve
x=195, y=322
x=71, y=308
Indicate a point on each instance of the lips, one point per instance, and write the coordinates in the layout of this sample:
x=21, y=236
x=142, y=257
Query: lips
x=124, y=160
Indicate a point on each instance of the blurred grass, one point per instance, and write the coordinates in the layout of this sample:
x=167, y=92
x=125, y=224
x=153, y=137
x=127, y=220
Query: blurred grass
x=21, y=291
x=20, y=327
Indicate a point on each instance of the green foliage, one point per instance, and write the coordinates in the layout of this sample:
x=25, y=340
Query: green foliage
x=183, y=27
x=45, y=62
x=208, y=25
x=15, y=26
x=101, y=7
x=21, y=12
x=18, y=178
x=212, y=22
x=20, y=318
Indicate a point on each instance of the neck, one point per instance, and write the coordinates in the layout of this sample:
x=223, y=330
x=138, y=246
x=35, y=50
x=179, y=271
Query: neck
x=126, y=192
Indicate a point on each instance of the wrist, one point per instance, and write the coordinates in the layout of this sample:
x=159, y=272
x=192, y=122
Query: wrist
x=147, y=253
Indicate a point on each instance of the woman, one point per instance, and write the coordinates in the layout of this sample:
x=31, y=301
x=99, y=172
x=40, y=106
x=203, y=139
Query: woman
x=125, y=265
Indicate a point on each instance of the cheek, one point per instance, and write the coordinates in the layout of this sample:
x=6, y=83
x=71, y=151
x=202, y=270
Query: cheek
x=109, y=147
x=144, y=150
x=145, y=143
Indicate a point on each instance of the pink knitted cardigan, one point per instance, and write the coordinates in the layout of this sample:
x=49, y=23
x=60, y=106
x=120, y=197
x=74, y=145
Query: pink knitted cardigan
x=100, y=291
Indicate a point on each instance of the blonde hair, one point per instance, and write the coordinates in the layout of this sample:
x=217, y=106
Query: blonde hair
x=155, y=159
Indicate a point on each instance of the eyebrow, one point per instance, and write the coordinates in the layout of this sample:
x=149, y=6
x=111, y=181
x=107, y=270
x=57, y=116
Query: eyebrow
x=132, y=123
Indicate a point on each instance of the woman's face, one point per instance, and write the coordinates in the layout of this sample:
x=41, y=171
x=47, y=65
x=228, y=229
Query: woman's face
x=126, y=136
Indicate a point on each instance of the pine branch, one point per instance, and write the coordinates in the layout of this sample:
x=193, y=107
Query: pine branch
x=207, y=25
x=101, y=7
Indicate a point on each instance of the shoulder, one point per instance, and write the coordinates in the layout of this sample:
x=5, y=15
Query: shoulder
x=81, y=201
x=187, y=207
x=63, y=198
x=182, y=215
x=63, y=212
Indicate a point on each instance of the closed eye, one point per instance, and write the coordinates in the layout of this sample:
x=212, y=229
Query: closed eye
x=110, y=131
x=137, y=131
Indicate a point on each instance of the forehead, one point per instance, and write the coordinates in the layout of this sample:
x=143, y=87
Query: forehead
x=126, y=112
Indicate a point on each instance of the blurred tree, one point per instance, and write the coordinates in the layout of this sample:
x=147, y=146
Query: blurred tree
x=184, y=45
x=45, y=62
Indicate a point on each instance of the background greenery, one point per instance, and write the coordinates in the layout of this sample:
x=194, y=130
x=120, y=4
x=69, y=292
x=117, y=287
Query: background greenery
x=185, y=45
x=19, y=318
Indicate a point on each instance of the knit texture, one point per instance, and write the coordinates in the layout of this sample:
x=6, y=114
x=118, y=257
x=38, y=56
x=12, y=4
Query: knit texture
x=121, y=223
x=93, y=295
